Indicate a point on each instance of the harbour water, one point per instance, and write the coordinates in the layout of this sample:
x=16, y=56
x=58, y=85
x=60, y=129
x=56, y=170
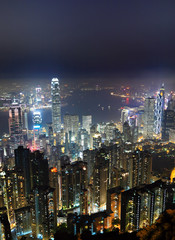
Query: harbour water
x=100, y=104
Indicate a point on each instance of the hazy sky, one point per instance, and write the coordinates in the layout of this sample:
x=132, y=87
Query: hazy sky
x=87, y=37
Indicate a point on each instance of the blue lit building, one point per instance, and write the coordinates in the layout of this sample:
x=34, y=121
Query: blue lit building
x=159, y=108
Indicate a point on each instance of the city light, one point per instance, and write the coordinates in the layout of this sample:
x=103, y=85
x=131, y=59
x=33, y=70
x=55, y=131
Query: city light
x=87, y=120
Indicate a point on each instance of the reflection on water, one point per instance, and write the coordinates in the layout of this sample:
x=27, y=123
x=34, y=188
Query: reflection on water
x=100, y=104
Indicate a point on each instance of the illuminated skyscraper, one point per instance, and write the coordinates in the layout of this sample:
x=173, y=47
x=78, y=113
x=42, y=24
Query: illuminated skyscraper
x=83, y=139
x=38, y=95
x=110, y=132
x=124, y=115
x=37, y=120
x=87, y=122
x=149, y=118
x=159, y=107
x=26, y=120
x=15, y=123
x=71, y=126
x=56, y=105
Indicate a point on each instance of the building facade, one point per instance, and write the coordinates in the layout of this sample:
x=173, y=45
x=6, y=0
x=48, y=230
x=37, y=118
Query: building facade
x=149, y=106
x=56, y=105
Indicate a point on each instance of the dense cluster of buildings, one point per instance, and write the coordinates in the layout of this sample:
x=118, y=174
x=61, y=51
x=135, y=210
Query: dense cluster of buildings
x=89, y=176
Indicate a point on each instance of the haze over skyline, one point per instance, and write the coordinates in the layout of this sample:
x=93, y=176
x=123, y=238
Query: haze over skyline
x=87, y=112
x=87, y=39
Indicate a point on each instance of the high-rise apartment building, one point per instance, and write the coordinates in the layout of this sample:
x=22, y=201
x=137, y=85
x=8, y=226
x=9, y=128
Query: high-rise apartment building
x=142, y=206
x=42, y=212
x=100, y=180
x=89, y=157
x=140, y=167
x=23, y=220
x=114, y=204
x=56, y=105
x=74, y=186
x=42, y=198
x=54, y=183
x=22, y=163
x=167, y=123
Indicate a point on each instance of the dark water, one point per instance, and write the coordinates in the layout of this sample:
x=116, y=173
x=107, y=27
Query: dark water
x=95, y=103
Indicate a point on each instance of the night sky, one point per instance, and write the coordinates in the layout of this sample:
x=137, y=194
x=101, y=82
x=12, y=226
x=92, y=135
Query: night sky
x=86, y=38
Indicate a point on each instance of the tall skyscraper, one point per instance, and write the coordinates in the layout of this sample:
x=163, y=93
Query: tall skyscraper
x=127, y=132
x=37, y=120
x=15, y=123
x=159, y=108
x=26, y=120
x=83, y=139
x=87, y=122
x=110, y=132
x=149, y=118
x=38, y=95
x=71, y=126
x=56, y=105
x=124, y=115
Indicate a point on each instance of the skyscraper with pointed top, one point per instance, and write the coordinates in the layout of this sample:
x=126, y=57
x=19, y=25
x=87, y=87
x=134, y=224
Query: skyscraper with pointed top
x=159, y=108
x=56, y=105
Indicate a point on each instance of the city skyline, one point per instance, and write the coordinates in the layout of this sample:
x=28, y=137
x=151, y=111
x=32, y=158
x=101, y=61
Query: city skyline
x=87, y=113
x=120, y=172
